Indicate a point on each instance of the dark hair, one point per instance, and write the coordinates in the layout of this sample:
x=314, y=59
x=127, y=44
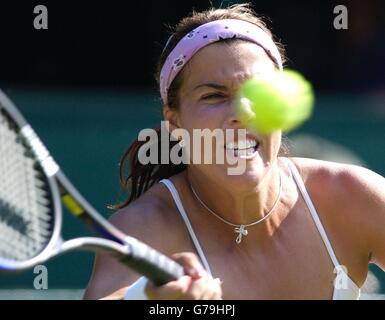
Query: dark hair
x=136, y=177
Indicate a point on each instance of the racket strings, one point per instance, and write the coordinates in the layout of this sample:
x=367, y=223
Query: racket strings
x=25, y=206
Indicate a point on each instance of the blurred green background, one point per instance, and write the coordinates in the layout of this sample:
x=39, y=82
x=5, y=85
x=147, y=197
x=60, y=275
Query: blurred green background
x=88, y=131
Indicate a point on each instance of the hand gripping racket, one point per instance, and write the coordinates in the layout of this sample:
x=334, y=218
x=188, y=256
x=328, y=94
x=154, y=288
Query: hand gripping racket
x=32, y=190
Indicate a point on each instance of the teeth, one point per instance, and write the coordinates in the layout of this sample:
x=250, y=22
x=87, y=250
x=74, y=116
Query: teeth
x=243, y=152
x=241, y=145
x=250, y=143
x=230, y=145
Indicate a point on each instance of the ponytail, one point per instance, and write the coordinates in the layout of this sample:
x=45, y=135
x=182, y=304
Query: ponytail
x=136, y=177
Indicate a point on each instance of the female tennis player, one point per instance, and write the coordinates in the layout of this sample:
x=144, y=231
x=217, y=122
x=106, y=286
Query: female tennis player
x=286, y=228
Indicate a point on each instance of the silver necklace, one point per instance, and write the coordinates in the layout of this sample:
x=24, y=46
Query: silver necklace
x=240, y=229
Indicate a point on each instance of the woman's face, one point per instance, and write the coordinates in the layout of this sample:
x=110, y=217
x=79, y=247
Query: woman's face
x=209, y=84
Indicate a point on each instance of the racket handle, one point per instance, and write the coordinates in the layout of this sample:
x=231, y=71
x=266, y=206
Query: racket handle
x=157, y=267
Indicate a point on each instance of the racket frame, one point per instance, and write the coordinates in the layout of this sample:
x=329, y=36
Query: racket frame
x=129, y=250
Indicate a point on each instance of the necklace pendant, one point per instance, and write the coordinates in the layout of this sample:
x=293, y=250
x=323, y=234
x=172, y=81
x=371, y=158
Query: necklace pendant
x=241, y=230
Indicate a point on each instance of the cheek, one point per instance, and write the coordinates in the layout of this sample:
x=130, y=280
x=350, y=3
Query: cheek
x=273, y=144
x=195, y=116
x=277, y=137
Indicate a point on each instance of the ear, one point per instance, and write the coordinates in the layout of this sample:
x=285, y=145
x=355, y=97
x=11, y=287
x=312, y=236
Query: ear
x=172, y=116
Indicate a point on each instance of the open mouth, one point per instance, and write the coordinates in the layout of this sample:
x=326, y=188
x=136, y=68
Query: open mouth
x=243, y=148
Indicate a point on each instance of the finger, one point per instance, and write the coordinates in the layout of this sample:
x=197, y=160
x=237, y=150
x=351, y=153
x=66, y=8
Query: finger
x=191, y=263
x=216, y=292
x=172, y=290
x=204, y=288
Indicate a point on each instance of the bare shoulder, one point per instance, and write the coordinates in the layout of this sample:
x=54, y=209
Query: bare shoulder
x=152, y=218
x=341, y=179
x=351, y=202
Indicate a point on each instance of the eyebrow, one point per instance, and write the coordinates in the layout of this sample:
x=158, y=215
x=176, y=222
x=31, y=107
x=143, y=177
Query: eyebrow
x=211, y=85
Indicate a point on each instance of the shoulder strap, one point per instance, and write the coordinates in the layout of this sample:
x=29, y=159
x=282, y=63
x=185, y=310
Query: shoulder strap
x=313, y=211
x=186, y=220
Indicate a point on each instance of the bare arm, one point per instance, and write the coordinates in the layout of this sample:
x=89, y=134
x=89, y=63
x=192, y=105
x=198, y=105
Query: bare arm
x=110, y=278
x=368, y=193
x=148, y=223
x=351, y=200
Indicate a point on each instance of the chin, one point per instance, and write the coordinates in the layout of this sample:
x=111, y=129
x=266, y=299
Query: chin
x=249, y=180
x=244, y=170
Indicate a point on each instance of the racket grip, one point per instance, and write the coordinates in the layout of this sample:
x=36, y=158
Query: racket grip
x=157, y=267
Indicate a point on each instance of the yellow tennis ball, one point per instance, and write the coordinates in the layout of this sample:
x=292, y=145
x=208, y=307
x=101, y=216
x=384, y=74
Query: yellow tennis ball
x=281, y=101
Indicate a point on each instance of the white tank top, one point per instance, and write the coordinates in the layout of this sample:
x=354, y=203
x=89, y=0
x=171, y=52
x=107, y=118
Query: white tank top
x=344, y=287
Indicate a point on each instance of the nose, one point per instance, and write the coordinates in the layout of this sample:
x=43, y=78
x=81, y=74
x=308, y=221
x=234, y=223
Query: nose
x=231, y=118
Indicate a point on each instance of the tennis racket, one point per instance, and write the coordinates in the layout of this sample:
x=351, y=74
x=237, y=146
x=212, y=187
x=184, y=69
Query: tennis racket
x=32, y=191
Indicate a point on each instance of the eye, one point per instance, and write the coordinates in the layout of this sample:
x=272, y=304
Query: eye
x=213, y=96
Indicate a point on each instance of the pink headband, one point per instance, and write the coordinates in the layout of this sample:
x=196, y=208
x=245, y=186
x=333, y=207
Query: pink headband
x=208, y=33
